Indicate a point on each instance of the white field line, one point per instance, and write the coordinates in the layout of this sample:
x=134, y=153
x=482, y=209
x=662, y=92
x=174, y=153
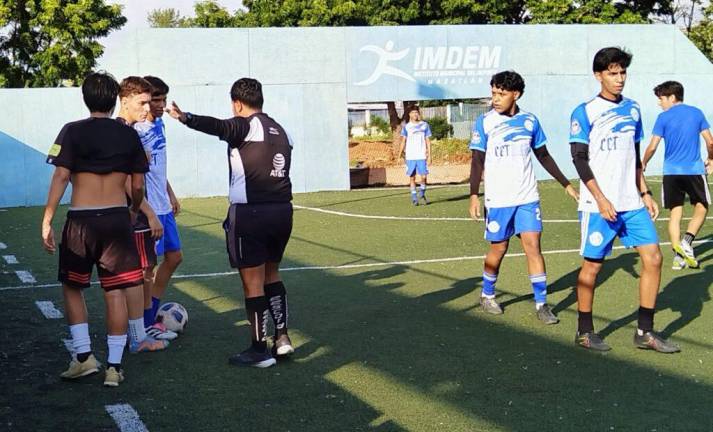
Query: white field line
x=48, y=310
x=25, y=276
x=126, y=418
x=10, y=259
x=459, y=219
x=3, y=245
x=350, y=266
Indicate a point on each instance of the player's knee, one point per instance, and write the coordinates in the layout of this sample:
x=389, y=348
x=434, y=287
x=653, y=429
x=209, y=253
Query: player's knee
x=176, y=258
x=653, y=260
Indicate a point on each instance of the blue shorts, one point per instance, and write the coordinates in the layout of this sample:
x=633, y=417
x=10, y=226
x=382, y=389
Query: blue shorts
x=504, y=222
x=634, y=228
x=170, y=241
x=416, y=166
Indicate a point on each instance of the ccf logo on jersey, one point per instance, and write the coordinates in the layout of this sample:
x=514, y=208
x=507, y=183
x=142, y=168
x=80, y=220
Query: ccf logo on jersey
x=278, y=165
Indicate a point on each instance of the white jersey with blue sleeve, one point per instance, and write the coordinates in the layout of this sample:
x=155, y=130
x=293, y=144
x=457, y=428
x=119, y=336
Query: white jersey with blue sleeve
x=610, y=130
x=416, y=135
x=507, y=142
x=153, y=138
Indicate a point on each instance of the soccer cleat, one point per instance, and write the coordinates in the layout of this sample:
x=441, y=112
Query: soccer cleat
x=678, y=263
x=414, y=200
x=282, y=346
x=545, y=314
x=160, y=332
x=592, y=341
x=422, y=196
x=651, y=340
x=252, y=357
x=79, y=369
x=490, y=306
x=148, y=344
x=113, y=377
x=686, y=251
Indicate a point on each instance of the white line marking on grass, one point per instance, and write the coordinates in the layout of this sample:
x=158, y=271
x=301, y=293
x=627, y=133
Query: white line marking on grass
x=3, y=246
x=10, y=259
x=352, y=266
x=70, y=347
x=48, y=310
x=459, y=219
x=25, y=276
x=126, y=418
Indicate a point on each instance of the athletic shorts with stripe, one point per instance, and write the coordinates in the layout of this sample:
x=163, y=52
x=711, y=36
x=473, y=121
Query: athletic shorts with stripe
x=101, y=237
x=634, y=228
x=257, y=233
x=146, y=248
x=676, y=187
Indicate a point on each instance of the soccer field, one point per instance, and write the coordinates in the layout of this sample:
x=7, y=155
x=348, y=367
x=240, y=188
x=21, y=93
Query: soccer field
x=384, y=312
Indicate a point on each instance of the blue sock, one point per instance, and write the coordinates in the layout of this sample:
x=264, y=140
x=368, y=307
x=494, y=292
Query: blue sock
x=423, y=189
x=413, y=194
x=539, y=287
x=489, y=281
x=155, y=303
x=149, y=319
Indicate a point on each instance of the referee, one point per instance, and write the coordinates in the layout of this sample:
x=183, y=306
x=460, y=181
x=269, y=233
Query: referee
x=259, y=221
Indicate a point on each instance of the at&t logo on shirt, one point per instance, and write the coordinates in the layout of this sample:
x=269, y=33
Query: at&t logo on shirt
x=278, y=165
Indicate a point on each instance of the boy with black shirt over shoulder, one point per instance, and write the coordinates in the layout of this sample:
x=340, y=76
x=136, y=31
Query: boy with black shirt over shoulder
x=259, y=221
x=97, y=155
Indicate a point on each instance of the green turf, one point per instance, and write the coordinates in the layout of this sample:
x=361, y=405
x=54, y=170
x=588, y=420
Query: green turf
x=387, y=347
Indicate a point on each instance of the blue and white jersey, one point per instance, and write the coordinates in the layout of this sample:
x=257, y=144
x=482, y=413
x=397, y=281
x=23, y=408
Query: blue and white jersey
x=611, y=130
x=508, y=143
x=153, y=138
x=416, y=134
x=680, y=127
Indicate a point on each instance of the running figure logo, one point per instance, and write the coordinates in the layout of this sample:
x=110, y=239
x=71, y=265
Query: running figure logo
x=386, y=55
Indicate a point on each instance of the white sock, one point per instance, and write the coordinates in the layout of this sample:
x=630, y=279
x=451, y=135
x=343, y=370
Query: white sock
x=137, y=332
x=488, y=296
x=80, y=338
x=116, y=345
x=538, y=305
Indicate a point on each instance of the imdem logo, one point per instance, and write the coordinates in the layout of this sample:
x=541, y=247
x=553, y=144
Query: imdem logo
x=435, y=64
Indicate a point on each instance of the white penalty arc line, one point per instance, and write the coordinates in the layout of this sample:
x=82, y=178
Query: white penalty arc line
x=353, y=266
x=458, y=219
x=126, y=418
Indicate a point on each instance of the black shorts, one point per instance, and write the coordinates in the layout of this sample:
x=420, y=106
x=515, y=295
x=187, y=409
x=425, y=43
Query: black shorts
x=103, y=238
x=146, y=247
x=676, y=187
x=257, y=233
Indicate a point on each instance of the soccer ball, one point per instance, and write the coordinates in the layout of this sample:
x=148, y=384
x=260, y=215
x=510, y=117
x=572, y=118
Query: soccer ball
x=173, y=315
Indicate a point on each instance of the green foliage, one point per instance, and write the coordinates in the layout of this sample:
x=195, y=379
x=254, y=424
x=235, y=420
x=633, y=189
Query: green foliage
x=47, y=43
x=449, y=150
x=702, y=33
x=594, y=11
x=440, y=128
x=382, y=126
x=167, y=18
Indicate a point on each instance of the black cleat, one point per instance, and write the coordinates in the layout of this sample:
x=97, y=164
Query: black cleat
x=282, y=346
x=592, y=341
x=651, y=340
x=253, y=358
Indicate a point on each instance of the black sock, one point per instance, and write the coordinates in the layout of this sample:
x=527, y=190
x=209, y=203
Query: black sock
x=82, y=357
x=584, y=322
x=116, y=366
x=256, y=309
x=646, y=319
x=277, y=299
x=688, y=237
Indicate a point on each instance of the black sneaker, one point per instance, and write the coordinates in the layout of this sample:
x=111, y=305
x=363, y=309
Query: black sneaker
x=253, y=358
x=282, y=346
x=425, y=200
x=651, y=340
x=591, y=340
x=545, y=314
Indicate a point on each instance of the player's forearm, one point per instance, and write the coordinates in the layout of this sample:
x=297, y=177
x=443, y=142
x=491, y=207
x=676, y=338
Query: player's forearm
x=580, y=158
x=594, y=189
x=477, y=164
x=58, y=186
x=226, y=130
x=549, y=164
x=641, y=181
x=137, y=191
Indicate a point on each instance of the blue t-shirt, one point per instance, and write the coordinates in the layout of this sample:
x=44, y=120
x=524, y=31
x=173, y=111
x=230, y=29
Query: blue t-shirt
x=680, y=127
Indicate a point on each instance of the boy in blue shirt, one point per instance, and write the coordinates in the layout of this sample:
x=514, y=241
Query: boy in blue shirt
x=684, y=172
x=415, y=139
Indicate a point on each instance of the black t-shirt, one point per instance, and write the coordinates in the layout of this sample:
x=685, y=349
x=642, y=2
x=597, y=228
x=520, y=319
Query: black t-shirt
x=259, y=156
x=100, y=146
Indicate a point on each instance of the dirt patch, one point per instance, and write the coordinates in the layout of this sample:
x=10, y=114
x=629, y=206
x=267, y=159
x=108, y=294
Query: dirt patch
x=382, y=154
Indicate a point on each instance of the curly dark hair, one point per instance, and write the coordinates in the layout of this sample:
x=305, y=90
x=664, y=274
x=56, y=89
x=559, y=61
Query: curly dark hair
x=508, y=80
x=247, y=91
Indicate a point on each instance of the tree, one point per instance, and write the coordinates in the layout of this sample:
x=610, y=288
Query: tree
x=166, y=18
x=701, y=34
x=52, y=43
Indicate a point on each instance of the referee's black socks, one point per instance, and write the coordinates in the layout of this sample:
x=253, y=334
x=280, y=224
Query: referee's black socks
x=277, y=299
x=585, y=323
x=646, y=320
x=256, y=309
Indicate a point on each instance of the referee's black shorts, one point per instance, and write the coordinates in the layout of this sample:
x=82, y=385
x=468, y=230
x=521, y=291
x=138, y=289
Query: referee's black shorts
x=676, y=187
x=256, y=234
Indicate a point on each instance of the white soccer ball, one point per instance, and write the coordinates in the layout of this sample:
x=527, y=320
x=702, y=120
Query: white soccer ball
x=173, y=315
